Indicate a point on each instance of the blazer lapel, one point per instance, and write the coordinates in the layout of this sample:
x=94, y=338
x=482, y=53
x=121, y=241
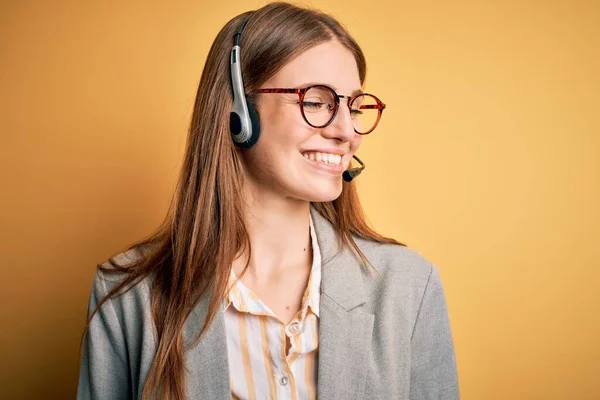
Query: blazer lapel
x=345, y=328
x=207, y=363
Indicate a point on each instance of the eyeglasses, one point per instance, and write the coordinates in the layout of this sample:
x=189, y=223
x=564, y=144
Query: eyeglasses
x=319, y=105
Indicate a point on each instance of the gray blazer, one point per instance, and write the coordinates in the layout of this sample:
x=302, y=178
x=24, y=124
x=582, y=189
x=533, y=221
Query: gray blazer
x=382, y=337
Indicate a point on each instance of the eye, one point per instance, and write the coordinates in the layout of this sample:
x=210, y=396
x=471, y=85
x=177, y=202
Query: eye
x=355, y=113
x=312, y=105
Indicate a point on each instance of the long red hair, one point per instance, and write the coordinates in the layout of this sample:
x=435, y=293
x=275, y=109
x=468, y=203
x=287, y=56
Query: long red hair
x=192, y=251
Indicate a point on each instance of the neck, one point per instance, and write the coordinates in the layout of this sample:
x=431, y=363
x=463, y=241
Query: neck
x=279, y=231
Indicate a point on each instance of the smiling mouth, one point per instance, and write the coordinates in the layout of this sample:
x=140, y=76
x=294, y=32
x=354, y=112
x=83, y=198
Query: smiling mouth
x=325, y=158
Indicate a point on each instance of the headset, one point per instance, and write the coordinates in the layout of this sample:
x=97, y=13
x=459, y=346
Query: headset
x=244, y=123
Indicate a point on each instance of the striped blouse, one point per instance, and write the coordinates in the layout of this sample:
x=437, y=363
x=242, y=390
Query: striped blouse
x=259, y=367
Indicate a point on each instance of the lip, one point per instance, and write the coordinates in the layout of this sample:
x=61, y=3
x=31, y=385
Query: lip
x=339, y=152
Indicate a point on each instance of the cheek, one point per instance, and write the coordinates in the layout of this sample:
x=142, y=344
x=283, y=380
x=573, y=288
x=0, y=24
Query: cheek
x=271, y=121
x=356, y=142
x=282, y=127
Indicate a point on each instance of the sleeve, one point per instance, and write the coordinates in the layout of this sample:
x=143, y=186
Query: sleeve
x=433, y=363
x=104, y=370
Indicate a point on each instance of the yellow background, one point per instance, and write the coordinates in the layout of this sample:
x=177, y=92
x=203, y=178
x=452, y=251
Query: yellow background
x=486, y=161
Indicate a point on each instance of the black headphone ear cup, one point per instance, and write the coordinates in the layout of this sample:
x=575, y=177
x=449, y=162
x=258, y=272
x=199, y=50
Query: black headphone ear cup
x=255, y=121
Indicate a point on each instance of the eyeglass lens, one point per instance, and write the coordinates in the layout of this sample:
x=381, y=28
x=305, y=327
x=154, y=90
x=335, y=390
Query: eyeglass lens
x=319, y=106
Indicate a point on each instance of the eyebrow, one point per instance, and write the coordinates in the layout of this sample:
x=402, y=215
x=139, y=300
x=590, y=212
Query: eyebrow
x=354, y=93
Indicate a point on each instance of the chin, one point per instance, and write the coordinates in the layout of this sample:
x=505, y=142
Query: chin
x=324, y=194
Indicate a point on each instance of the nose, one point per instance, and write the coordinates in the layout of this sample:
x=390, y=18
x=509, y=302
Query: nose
x=341, y=128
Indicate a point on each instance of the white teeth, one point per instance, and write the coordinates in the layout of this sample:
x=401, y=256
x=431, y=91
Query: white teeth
x=324, y=157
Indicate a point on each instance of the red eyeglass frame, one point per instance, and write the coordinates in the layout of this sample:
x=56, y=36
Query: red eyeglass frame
x=380, y=106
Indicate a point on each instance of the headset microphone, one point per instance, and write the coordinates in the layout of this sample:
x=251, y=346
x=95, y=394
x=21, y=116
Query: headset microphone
x=352, y=173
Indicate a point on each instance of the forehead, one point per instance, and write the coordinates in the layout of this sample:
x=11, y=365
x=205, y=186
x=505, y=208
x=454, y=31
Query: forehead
x=328, y=63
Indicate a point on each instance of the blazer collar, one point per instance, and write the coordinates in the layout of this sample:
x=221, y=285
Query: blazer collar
x=345, y=330
x=342, y=277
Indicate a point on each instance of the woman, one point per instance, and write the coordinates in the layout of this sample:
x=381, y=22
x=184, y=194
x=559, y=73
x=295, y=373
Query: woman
x=264, y=281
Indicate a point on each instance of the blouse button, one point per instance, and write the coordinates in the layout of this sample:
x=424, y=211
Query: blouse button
x=283, y=380
x=294, y=328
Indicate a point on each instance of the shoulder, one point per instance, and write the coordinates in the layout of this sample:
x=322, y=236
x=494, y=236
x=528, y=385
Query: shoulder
x=128, y=299
x=108, y=273
x=402, y=275
x=397, y=262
